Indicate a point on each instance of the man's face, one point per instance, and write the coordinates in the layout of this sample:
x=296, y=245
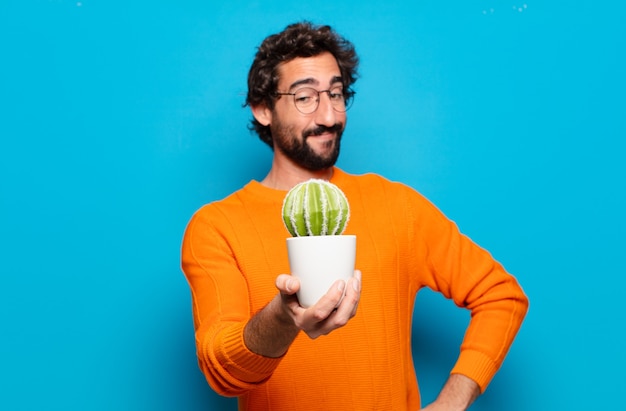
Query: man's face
x=310, y=140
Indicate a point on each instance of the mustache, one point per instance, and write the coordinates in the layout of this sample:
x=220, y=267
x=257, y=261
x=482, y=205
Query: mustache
x=319, y=130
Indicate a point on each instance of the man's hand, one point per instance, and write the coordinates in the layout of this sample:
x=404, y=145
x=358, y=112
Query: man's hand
x=332, y=311
x=457, y=394
x=272, y=330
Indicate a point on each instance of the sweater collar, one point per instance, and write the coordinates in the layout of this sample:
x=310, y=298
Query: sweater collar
x=257, y=189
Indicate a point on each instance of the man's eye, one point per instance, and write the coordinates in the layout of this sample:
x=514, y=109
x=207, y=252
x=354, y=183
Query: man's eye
x=303, y=99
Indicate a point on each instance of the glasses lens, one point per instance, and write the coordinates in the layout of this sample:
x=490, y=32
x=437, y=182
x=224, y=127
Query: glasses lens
x=306, y=100
x=337, y=98
x=347, y=102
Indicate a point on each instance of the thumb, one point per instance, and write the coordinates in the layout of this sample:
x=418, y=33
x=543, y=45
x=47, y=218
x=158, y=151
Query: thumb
x=287, y=284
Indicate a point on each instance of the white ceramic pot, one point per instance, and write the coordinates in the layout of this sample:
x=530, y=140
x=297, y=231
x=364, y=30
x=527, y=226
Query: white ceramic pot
x=319, y=261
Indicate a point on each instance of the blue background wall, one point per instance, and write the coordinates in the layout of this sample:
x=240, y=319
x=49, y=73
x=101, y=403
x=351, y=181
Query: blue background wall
x=119, y=119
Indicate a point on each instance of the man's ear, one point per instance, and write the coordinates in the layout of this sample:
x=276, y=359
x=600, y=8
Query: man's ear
x=262, y=114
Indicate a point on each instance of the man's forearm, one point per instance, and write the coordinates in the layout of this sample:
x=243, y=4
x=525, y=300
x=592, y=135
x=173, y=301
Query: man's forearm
x=270, y=332
x=458, y=393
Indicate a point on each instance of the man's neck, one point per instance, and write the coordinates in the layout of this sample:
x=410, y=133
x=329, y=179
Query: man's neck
x=283, y=176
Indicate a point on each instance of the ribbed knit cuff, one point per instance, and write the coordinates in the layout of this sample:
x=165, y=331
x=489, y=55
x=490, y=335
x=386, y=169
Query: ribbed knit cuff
x=241, y=363
x=477, y=366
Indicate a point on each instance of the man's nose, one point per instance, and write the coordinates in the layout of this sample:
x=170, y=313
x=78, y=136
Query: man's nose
x=325, y=114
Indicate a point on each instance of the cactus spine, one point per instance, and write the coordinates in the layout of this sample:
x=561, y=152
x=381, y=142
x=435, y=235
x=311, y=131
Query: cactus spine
x=315, y=207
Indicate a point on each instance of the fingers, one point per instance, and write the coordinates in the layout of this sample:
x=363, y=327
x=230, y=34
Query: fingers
x=335, y=309
x=332, y=298
x=340, y=289
x=355, y=283
x=348, y=307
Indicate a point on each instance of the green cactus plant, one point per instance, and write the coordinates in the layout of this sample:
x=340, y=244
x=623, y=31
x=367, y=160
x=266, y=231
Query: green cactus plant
x=315, y=207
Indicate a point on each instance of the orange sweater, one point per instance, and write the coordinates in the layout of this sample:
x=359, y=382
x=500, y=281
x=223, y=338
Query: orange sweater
x=233, y=250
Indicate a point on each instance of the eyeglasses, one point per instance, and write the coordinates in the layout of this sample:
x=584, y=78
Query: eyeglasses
x=307, y=99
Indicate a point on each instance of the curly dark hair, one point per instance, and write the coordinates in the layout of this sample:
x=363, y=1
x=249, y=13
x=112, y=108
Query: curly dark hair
x=302, y=39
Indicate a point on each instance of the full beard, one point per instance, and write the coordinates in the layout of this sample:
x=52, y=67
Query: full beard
x=301, y=153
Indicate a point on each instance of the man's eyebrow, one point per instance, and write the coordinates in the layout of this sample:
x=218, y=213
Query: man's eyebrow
x=336, y=79
x=306, y=81
x=313, y=82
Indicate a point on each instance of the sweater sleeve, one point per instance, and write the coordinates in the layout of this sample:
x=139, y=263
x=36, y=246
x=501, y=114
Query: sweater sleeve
x=221, y=307
x=466, y=273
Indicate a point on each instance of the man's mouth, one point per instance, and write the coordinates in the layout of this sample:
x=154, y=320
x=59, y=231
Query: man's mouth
x=324, y=136
x=324, y=132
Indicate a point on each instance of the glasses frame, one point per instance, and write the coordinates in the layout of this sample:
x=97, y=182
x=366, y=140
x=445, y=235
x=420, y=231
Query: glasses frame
x=347, y=98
